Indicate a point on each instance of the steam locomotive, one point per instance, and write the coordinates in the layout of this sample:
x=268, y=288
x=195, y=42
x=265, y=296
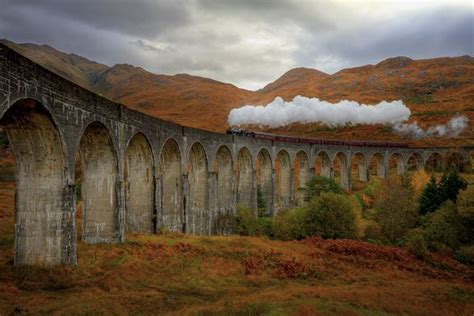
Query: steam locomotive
x=290, y=139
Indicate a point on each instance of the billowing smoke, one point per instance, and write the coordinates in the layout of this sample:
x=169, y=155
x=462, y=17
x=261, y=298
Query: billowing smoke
x=451, y=129
x=309, y=110
x=313, y=110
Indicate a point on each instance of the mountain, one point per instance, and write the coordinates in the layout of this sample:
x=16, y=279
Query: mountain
x=434, y=90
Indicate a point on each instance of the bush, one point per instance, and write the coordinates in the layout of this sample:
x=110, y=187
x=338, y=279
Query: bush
x=395, y=210
x=444, y=227
x=247, y=223
x=416, y=243
x=372, y=231
x=319, y=184
x=466, y=254
x=290, y=224
x=330, y=216
x=465, y=206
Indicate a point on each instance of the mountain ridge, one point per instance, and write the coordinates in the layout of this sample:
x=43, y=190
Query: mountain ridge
x=434, y=89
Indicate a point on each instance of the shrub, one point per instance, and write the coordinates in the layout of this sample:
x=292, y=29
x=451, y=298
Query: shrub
x=246, y=221
x=372, y=231
x=466, y=254
x=225, y=223
x=416, y=243
x=290, y=224
x=444, y=227
x=395, y=210
x=330, y=216
x=261, y=202
x=319, y=184
x=465, y=204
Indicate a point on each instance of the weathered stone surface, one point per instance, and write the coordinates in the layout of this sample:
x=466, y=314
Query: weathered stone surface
x=144, y=174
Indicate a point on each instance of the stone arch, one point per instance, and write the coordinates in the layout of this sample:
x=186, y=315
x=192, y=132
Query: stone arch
x=322, y=164
x=454, y=160
x=264, y=175
x=377, y=165
x=99, y=186
x=434, y=162
x=41, y=206
x=244, y=177
x=170, y=184
x=359, y=165
x=283, y=181
x=340, y=169
x=301, y=175
x=414, y=162
x=223, y=167
x=395, y=162
x=197, y=214
x=139, y=185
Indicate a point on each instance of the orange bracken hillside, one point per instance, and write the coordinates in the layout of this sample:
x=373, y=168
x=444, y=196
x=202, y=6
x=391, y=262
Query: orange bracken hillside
x=434, y=89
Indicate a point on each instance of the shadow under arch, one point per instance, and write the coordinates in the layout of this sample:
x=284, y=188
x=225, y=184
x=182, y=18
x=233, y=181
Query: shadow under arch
x=170, y=187
x=198, y=218
x=99, y=167
x=282, y=180
x=244, y=178
x=44, y=232
x=301, y=176
x=223, y=199
x=139, y=185
x=264, y=178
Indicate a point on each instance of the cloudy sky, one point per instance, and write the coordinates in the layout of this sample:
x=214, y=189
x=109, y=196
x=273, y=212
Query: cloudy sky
x=247, y=43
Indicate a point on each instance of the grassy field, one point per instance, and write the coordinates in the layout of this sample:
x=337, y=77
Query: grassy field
x=177, y=274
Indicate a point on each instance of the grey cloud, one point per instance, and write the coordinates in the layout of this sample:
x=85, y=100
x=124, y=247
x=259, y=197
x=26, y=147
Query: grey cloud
x=248, y=43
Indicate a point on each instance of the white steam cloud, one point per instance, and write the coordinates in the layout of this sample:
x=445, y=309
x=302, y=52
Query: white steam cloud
x=309, y=110
x=451, y=129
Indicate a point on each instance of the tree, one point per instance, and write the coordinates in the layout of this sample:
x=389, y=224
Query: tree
x=318, y=184
x=450, y=185
x=444, y=227
x=330, y=216
x=431, y=197
x=395, y=209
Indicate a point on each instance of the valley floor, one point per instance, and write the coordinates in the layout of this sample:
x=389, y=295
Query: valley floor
x=177, y=274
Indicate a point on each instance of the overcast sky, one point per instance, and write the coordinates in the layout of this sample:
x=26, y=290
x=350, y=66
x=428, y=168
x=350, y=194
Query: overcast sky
x=247, y=43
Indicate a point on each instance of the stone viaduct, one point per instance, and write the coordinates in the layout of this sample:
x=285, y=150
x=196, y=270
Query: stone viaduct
x=140, y=173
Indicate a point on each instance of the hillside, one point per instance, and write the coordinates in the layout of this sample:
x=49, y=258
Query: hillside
x=434, y=89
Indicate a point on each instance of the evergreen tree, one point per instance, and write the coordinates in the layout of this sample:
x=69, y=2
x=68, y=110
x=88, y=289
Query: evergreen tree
x=431, y=197
x=450, y=185
x=319, y=184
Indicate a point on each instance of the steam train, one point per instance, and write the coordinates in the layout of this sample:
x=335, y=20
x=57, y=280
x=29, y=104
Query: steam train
x=312, y=141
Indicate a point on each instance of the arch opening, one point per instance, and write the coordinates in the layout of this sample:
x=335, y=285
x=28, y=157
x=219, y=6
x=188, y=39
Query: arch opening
x=455, y=161
x=244, y=177
x=377, y=166
x=283, y=181
x=41, y=200
x=139, y=186
x=198, y=217
x=301, y=175
x=434, y=163
x=223, y=199
x=340, y=170
x=99, y=168
x=322, y=165
x=414, y=162
x=170, y=187
x=396, y=164
x=264, y=172
x=359, y=170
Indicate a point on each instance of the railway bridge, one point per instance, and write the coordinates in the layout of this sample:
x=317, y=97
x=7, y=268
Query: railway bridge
x=140, y=174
